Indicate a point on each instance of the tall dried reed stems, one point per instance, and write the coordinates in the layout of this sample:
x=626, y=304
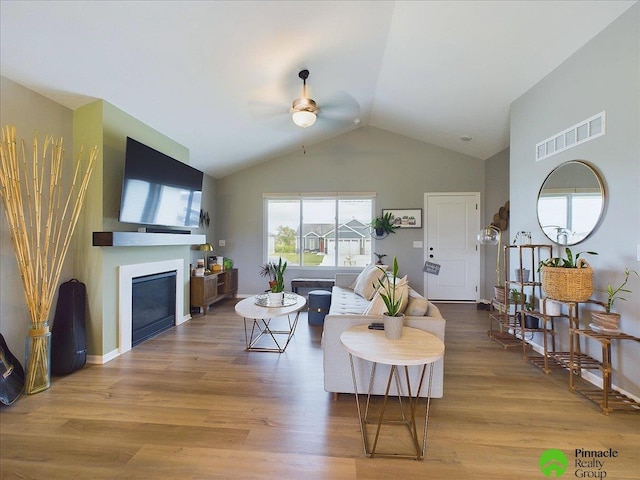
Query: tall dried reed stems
x=42, y=214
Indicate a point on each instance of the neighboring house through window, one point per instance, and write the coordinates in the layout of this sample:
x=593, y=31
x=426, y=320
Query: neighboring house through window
x=319, y=230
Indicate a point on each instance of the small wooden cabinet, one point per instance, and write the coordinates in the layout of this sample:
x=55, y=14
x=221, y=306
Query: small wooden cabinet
x=207, y=290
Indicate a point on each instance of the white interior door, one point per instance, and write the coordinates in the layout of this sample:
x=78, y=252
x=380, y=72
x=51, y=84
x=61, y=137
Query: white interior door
x=452, y=224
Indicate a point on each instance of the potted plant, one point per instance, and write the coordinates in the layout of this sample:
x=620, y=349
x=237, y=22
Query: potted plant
x=388, y=289
x=607, y=319
x=530, y=322
x=550, y=307
x=383, y=225
x=567, y=279
x=276, y=295
x=380, y=256
x=517, y=296
x=267, y=270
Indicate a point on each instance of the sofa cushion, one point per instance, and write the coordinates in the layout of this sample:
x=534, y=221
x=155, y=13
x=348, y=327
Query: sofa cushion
x=377, y=305
x=417, y=305
x=345, y=302
x=367, y=282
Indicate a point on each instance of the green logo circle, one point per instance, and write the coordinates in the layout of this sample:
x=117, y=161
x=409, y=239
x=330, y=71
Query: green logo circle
x=553, y=463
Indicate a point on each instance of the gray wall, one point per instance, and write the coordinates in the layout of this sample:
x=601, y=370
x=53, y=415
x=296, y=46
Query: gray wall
x=103, y=123
x=496, y=170
x=400, y=170
x=28, y=112
x=602, y=75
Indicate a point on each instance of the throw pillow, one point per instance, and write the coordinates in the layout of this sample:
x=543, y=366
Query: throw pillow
x=366, y=284
x=377, y=306
x=417, y=306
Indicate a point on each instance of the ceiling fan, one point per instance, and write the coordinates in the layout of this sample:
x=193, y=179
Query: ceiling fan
x=304, y=109
x=339, y=109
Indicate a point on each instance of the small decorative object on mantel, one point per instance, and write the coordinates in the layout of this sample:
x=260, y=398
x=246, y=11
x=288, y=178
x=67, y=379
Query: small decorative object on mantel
x=607, y=321
x=42, y=211
x=393, y=318
x=204, y=219
x=567, y=279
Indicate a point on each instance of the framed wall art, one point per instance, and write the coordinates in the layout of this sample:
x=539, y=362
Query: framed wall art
x=405, y=217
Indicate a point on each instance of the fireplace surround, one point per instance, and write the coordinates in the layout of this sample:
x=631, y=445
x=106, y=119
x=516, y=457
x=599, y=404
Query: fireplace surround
x=126, y=274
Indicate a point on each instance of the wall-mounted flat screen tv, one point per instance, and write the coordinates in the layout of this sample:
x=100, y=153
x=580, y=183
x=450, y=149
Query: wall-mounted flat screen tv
x=158, y=189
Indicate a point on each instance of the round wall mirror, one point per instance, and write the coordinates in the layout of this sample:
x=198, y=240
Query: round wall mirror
x=570, y=203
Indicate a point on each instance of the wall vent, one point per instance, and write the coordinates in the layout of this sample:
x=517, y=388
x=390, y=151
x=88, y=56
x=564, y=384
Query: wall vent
x=582, y=132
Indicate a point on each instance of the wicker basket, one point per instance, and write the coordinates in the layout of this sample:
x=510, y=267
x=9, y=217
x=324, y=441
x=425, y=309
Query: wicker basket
x=568, y=284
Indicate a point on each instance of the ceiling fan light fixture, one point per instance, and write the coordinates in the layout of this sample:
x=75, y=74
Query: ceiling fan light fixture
x=304, y=118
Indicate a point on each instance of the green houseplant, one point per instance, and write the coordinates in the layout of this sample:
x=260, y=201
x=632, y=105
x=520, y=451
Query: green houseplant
x=278, y=272
x=607, y=319
x=275, y=273
x=392, y=298
x=567, y=279
x=383, y=225
x=267, y=270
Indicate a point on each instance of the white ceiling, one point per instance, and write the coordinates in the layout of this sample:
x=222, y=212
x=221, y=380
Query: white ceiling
x=219, y=77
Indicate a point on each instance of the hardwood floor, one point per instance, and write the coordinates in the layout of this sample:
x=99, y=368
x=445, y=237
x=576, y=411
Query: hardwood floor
x=192, y=404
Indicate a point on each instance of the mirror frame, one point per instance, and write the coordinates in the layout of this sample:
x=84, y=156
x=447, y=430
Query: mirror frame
x=598, y=178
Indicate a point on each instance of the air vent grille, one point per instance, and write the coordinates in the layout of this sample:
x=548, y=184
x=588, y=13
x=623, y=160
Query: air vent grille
x=582, y=132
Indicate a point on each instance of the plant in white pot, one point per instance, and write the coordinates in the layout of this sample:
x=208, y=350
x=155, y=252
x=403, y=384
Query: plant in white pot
x=608, y=320
x=567, y=279
x=392, y=298
x=276, y=295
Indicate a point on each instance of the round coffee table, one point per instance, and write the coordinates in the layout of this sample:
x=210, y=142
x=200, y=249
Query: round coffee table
x=258, y=314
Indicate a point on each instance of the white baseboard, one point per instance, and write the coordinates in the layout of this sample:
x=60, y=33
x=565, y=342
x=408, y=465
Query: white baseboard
x=102, y=359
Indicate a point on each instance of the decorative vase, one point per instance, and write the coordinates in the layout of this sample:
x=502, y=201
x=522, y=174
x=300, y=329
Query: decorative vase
x=38, y=360
x=276, y=298
x=609, y=321
x=393, y=326
x=522, y=275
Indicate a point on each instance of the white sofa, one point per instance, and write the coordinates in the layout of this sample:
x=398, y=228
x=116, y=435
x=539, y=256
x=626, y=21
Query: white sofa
x=345, y=312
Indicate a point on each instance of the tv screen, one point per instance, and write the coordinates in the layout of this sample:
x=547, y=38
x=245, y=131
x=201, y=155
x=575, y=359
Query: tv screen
x=158, y=189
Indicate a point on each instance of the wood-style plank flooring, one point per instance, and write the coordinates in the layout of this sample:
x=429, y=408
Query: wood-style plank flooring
x=192, y=404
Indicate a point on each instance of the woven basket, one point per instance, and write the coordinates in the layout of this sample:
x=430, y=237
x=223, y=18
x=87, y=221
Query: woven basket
x=568, y=284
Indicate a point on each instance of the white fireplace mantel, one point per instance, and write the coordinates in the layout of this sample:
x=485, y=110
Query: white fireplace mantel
x=126, y=274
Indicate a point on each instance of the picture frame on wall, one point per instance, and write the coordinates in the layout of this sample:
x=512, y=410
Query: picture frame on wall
x=405, y=217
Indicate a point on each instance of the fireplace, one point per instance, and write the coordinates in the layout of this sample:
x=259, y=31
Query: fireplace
x=153, y=305
x=126, y=276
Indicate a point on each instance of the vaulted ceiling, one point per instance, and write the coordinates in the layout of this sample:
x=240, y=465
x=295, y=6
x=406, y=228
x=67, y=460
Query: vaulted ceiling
x=219, y=77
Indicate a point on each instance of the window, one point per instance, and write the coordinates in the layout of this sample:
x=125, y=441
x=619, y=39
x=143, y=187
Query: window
x=319, y=230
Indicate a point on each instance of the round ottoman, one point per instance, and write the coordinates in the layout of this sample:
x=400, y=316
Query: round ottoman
x=319, y=303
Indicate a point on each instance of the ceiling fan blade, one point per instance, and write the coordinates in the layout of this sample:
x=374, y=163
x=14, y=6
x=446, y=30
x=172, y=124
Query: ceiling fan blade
x=340, y=107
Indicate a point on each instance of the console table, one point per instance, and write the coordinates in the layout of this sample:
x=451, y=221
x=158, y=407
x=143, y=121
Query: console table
x=415, y=348
x=211, y=288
